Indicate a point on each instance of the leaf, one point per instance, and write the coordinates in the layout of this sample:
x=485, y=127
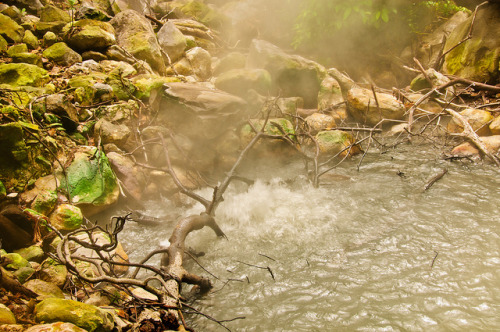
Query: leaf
x=347, y=13
x=385, y=15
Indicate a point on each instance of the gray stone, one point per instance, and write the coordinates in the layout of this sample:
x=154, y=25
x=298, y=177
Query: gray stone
x=111, y=133
x=201, y=62
x=172, y=41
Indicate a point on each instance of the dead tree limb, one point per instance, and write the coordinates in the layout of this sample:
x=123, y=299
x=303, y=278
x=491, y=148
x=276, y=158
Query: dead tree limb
x=435, y=179
x=473, y=137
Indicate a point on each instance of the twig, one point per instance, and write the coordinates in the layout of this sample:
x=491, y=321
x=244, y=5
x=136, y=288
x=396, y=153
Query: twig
x=434, y=259
x=435, y=179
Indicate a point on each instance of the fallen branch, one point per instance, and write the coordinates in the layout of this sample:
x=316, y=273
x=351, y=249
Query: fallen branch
x=435, y=179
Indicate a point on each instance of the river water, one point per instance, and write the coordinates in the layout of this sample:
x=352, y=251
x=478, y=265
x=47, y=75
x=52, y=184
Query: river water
x=367, y=251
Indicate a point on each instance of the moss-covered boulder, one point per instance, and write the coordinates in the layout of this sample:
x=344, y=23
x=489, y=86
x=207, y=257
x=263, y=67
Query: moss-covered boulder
x=49, y=39
x=10, y=30
x=150, y=85
x=53, y=272
x=364, y=108
x=86, y=316
x=32, y=254
x=88, y=34
x=17, y=48
x=13, y=149
x=477, y=58
x=240, y=81
x=110, y=132
x=44, y=202
x=15, y=261
x=29, y=58
x=135, y=34
x=332, y=142
x=52, y=19
x=478, y=119
x=66, y=217
x=319, y=122
x=20, y=74
x=6, y=316
x=62, y=54
x=3, y=44
x=292, y=75
x=90, y=180
x=194, y=9
x=31, y=40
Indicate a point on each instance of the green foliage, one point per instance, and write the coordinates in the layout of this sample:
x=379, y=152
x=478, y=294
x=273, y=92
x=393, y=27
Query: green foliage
x=320, y=18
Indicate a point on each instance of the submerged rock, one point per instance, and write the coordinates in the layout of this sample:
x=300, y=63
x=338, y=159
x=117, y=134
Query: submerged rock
x=86, y=316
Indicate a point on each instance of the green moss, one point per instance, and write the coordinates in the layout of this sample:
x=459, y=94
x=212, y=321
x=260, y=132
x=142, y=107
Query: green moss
x=90, y=179
x=16, y=261
x=45, y=202
x=18, y=48
x=19, y=74
x=145, y=85
x=86, y=316
x=33, y=253
x=3, y=44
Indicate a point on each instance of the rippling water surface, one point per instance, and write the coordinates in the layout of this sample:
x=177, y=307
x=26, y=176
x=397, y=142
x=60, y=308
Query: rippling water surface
x=367, y=251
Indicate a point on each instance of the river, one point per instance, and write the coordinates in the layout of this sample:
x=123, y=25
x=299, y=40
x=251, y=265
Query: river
x=369, y=250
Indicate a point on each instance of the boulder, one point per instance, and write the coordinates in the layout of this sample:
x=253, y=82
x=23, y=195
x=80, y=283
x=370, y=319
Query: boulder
x=13, y=149
x=478, y=58
x=233, y=60
x=201, y=63
x=16, y=49
x=15, y=261
x=55, y=327
x=31, y=40
x=131, y=177
x=62, y=54
x=90, y=180
x=49, y=39
x=60, y=105
x=52, y=19
x=199, y=111
x=363, y=107
x=112, y=133
x=32, y=254
x=477, y=118
x=6, y=316
x=319, y=122
x=135, y=34
x=21, y=74
x=495, y=126
x=83, y=315
x=29, y=58
x=332, y=142
x=331, y=100
x=86, y=34
x=3, y=44
x=66, y=217
x=430, y=47
x=172, y=41
x=437, y=79
x=53, y=272
x=240, y=81
x=292, y=75
x=44, y=289
x=10, y=30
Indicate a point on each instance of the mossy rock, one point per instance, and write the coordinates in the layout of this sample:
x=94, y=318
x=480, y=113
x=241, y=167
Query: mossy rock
x=20, y=74
x=3, y=44
x=45, y=202
x=3, y=191
x=6, y=316
x=31, y=40
x=54, y=272
x=332, y=142
x=24, y=273
x=90, y=179
x=18, y=48
x=66, y=217
x=86, y=316
x=478, y=57
x=146, y=84
x=32, y=253
x=16, y=261
x=44, y=289
x=272, y=128
x=13, y=150
x=54, y=14
x=30, y=58
x=10, y=30
x=89, y=34
x=62, y=54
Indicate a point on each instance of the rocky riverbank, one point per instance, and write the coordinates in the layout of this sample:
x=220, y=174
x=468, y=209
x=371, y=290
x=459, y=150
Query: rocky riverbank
x=102, y=104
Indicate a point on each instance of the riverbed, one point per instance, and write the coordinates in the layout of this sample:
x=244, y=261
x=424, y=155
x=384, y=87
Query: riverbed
x=369, y=250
